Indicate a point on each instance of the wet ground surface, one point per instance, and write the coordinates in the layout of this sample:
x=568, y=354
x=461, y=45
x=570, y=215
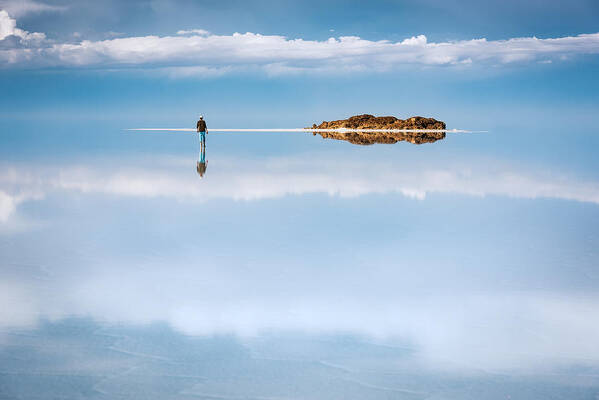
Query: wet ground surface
x=298, y=267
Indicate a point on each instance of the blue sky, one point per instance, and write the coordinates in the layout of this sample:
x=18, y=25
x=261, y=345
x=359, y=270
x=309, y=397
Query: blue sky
x=440, y=20
x=259, y=73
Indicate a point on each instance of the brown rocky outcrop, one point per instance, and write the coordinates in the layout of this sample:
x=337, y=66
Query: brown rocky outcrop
x=366, y=121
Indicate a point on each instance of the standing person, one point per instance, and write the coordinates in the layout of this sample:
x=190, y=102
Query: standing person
x=202, y=128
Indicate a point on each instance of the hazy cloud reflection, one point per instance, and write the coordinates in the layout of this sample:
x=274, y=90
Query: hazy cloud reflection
x=469, y=312
x=294, y=175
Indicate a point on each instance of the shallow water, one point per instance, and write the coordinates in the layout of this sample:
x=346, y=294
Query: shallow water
x=297, y=266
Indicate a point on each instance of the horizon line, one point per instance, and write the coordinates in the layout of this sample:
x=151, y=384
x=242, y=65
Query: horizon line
x=306, y=130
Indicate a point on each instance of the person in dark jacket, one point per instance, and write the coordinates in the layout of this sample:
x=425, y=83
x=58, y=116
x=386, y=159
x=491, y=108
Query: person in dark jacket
x=202, y=128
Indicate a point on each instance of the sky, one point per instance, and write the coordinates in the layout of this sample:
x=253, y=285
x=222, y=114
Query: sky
x=298, y=267
x=141, y=56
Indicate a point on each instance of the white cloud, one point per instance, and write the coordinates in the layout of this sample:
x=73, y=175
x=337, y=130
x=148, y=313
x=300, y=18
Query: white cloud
x=17, y=187
x=200, y=32
x=277, y=177
x=278, y=54
x=8, y=205
x=449, y=313
x=460, y=326
x=294, y=176
x=466, y=328
x=8, y=27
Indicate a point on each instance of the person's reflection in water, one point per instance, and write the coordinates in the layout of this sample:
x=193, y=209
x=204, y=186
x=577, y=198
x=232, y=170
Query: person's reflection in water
x=202, y=163
x=202, y=131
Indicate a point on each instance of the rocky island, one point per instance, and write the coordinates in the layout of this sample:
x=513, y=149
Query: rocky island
x=367, y=121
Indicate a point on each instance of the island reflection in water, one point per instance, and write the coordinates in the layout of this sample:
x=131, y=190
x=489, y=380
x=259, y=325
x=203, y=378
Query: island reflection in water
x=368, y=138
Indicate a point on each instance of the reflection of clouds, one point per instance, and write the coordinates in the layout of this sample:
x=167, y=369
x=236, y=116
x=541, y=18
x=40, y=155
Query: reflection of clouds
x=278, y=177
x=19, y=305
x=499, y=328
x=465, y=327
x=465, y=314
x=9, y=202
x=7, y=206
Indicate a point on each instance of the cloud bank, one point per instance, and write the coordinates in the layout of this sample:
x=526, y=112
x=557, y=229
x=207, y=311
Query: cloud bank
x=276, y=54
x=472, y=310
x=290, y=176
x=461, y=329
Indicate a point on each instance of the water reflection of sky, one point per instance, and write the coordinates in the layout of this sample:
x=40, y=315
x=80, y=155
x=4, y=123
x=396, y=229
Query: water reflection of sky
x=297, y=267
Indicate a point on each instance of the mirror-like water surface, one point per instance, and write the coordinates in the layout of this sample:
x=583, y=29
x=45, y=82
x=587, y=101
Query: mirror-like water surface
x=295, y=267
